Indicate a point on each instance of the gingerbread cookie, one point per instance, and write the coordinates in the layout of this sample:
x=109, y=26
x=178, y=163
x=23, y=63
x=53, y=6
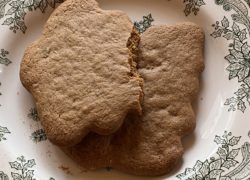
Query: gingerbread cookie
x=171, y=61
x=81, y=72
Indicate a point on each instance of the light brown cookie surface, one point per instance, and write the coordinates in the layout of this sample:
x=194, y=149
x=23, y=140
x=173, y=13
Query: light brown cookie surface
x=171, y=60
x=81, y=72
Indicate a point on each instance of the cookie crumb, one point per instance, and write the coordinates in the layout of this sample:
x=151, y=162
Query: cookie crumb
x=48, y=153
x=65, y=169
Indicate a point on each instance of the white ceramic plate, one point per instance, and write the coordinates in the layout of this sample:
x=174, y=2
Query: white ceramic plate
x=223, y=104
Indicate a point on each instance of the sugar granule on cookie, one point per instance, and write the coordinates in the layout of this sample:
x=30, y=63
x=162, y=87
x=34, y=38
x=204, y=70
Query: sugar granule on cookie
x=81, y=72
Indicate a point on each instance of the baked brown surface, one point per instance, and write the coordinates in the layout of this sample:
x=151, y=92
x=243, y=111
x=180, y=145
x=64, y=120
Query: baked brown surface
x=81, y=72
x=171, y=60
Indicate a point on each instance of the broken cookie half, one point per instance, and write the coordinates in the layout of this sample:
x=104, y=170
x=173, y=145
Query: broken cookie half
x=171, y=61
x=81, y=72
